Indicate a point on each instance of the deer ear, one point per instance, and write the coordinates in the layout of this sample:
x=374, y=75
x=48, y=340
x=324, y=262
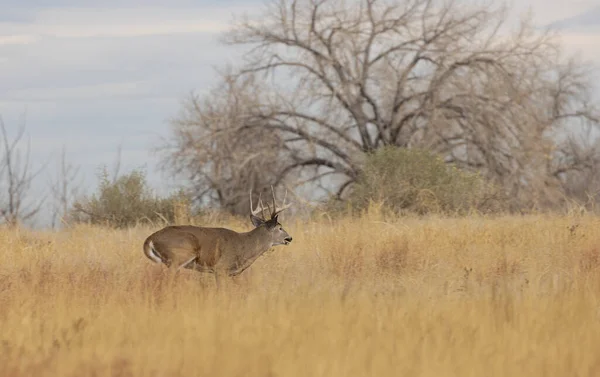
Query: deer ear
x=256, y=221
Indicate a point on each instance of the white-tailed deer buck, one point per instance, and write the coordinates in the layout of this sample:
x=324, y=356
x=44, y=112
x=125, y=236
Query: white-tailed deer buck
x=218, y=250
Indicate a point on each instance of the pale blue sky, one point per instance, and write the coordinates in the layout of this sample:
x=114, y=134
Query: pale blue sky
x=93, y=75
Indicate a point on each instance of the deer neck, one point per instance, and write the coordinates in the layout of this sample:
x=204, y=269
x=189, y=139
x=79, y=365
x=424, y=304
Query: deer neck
x=257, y=242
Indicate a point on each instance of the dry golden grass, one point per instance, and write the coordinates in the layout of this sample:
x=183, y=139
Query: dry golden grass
x=512, y=296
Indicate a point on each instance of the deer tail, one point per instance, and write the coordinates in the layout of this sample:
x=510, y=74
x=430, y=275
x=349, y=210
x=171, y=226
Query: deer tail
x=151, y=252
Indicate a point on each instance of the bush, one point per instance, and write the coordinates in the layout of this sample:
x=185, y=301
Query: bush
x=126, y=201
x=414, y=180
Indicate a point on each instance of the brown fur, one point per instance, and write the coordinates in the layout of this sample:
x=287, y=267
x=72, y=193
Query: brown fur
x=213, y=250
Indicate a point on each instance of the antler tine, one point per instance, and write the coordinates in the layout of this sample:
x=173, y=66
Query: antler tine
x=251, y=205
x=262, y=207
x=274, y=203
x=279, y=210
x=283, y=208
x=256, y=211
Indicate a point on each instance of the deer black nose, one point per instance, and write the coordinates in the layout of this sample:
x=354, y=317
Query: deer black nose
x=289, y=239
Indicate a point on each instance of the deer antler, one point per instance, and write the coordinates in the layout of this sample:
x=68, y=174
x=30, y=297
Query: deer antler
x=258, y=210
x=280, y=209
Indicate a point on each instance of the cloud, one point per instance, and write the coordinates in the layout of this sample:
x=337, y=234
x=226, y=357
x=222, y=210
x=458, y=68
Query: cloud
x=16, y=39
x=580, y=33
x=589, y=19
x=121, y=22
x=37, y=4
x=589, y=41
x=177, y=63
x=120, y=90
x=549, y=11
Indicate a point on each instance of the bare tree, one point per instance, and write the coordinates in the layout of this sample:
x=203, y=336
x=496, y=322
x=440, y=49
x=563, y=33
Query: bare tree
x=347, y=77
x=16, y=180
x=64, y=188
x=222, y=159
x=578, y=168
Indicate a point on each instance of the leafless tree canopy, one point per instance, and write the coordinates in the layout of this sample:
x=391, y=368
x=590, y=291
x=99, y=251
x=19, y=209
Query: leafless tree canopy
x=222, y=159
x=341, y=78
x=16, y=177
x=64, y=188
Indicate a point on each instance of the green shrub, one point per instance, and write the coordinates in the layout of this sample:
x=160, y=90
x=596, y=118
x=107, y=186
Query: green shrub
x=418, y=181
x=126, y=201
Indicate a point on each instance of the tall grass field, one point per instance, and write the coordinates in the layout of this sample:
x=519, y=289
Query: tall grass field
x=368, y=296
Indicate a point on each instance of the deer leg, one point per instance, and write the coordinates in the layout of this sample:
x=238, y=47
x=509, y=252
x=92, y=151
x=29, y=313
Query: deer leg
x=171, y=272
x=186, y=263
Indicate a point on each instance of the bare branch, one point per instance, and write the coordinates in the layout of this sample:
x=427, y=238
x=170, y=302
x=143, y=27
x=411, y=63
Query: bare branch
x=347, y=77
x=64, y=188
x=16, y=178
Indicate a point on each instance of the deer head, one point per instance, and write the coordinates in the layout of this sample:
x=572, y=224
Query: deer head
x=278, y=235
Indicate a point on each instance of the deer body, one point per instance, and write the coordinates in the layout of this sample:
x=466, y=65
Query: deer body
x=216, y=250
